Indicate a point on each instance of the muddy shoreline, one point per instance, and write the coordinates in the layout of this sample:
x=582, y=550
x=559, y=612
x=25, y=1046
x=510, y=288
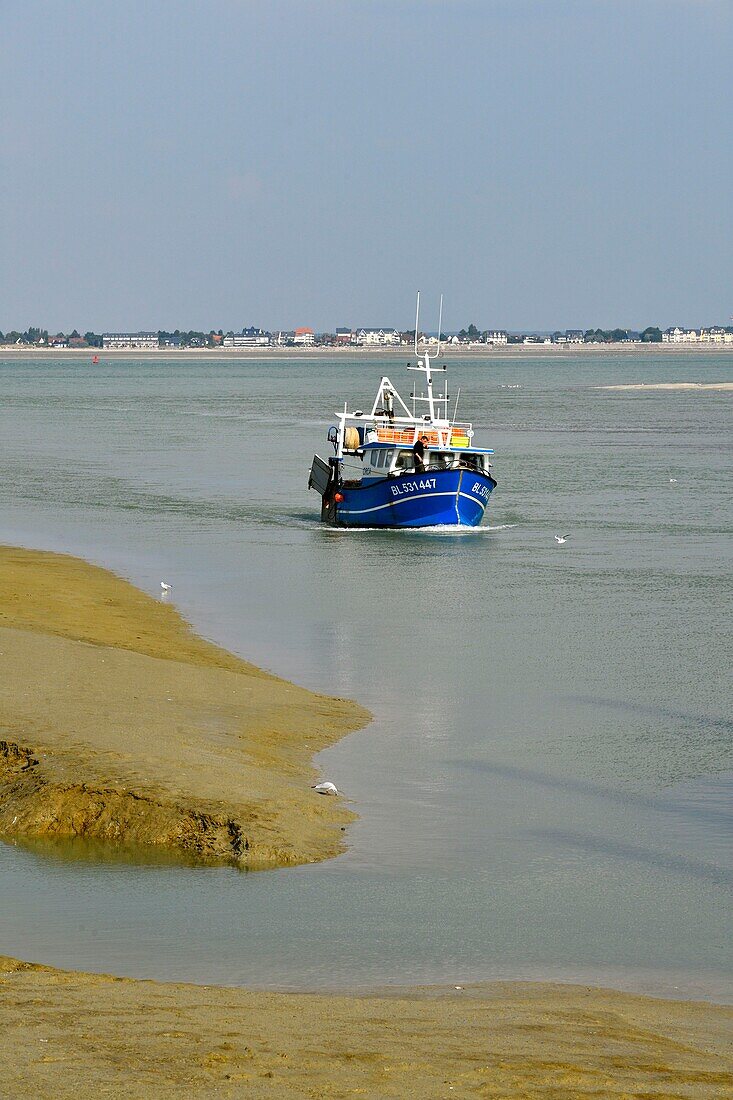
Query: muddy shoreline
x=511, y=351
x=120, y=726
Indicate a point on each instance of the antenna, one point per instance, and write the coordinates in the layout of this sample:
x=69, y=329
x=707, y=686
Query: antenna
x=417, y=326
x=423, y=365
x=417, y=322
x=455, y=411
x=440, y=323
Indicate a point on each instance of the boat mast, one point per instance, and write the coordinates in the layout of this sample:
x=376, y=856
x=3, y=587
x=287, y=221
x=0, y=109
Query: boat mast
x=423, y=365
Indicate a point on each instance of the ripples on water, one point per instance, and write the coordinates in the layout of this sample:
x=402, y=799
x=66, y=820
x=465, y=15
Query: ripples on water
x=545, y=789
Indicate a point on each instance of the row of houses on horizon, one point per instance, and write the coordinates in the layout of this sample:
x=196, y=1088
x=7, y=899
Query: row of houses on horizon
x=253, y=337
x=305, y=337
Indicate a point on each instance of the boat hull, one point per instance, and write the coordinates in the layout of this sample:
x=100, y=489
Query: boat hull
x=454, y=498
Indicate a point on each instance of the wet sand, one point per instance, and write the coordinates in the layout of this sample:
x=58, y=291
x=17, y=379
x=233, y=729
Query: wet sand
x=479, y=351
x=81, y=1035
x=120, y=726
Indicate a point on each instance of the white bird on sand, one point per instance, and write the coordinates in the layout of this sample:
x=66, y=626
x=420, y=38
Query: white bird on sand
x=325, y=788
x=560, y=539
x=165, y=587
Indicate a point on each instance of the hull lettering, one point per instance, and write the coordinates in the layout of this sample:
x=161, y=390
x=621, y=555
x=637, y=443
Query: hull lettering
x=407, y=487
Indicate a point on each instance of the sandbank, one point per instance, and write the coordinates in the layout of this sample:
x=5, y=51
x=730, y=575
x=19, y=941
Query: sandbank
x=352, y=354
x=80, y=1035
x=671, y=386
x=120, y=726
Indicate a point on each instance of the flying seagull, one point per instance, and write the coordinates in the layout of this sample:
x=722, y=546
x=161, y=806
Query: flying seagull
x=165, y=587
x=325, y=788
x=560, y=539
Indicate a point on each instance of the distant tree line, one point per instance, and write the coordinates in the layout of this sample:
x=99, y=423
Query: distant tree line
x=40, y=336
x=190, y=339
x=30, y=336
x=650, y=335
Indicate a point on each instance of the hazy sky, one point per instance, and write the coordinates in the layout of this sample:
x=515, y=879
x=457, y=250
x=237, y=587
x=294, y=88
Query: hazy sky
x=543, y=163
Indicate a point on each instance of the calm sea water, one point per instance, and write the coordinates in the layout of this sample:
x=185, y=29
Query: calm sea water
x=545, y=790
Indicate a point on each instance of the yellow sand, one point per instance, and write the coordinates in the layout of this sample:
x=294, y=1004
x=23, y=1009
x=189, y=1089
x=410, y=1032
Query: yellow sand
x=79, y=1036
x=120, y=725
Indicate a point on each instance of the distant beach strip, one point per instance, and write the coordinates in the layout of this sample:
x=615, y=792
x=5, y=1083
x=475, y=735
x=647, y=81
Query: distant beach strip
x=671, y=386
x=122, y=728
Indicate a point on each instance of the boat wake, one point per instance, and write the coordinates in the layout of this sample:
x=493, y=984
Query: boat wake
x=441, y=530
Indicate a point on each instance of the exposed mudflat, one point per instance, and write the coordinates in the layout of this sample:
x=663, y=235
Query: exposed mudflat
x=82, y=1035
x=464, y=351
x=118, y=724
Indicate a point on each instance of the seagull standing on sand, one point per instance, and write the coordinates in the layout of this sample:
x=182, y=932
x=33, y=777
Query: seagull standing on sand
x=325, y=788
x=560, y=539
x=165, y=588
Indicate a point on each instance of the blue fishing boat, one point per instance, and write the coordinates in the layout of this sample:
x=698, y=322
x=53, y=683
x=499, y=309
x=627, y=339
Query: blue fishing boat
x=397, y=466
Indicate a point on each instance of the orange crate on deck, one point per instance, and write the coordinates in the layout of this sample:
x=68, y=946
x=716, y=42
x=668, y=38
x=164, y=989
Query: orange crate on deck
x=394, y=435
x=406, y=437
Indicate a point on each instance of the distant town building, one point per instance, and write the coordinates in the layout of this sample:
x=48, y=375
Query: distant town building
x=130, y=340
x=248, y=338
x=679, y=335
x=570, y=336
x=379, y=337
x=496, y=336
x=171, y=341
x=344, y=336
x=304, y=338
x=715, y=335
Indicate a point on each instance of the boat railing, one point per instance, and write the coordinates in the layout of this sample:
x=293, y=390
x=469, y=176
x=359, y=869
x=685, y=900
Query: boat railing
x=455, y=436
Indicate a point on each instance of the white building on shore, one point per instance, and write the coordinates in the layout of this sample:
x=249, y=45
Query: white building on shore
x=679, y=335
x=713, y=335
x=496, y=336
x=378, y=337
x=304, y=337
x=248, y=338
x=130, y=340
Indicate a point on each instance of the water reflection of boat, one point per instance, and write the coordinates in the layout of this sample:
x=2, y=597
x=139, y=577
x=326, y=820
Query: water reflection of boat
x=375, y=479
